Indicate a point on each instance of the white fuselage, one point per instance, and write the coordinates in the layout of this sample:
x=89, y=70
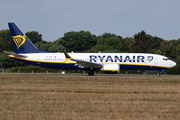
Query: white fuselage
x=125, y=60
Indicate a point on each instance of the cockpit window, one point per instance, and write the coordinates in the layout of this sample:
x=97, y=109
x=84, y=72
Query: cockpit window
x=166, y=59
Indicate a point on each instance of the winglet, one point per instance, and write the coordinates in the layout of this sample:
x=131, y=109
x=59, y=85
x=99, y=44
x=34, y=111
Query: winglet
x=66, y=54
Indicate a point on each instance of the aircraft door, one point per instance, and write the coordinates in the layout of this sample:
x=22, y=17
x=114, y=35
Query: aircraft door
x=38, y=60
x=156, y=60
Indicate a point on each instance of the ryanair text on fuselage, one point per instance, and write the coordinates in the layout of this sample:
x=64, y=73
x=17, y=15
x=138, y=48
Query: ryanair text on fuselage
x=108, y=58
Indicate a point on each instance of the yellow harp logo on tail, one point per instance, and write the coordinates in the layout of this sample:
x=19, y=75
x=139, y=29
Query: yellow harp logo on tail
x=19, y=40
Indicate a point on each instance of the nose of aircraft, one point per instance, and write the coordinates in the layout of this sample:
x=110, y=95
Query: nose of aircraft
x=172, y=64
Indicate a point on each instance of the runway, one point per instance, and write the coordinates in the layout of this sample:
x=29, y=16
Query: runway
x=76, y=74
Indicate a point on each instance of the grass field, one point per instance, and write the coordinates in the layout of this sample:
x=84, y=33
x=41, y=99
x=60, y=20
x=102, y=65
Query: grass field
x=89, y=98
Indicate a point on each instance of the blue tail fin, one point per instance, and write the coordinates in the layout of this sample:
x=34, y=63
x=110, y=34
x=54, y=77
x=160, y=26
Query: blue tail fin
x=21, y=43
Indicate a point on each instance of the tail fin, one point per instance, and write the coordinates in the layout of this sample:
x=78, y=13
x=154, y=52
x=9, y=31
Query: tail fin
x=21, y=43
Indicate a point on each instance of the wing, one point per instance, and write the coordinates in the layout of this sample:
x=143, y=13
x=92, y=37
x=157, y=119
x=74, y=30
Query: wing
x=82, y=63
x=86, y=64
x=15, y=55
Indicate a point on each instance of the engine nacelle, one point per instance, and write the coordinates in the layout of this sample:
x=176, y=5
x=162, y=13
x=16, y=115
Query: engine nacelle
x=111, y=68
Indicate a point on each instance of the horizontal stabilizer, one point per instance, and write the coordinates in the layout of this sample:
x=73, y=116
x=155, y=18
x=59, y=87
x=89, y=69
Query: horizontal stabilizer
x=15, y=55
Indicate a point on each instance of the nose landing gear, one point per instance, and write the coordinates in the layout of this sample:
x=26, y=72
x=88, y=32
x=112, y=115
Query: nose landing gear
x=159, y=74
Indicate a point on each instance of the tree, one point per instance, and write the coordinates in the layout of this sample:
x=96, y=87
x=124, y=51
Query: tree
x=99, y=48
x=8, y=62
x=176, y=69
x=143, y=42
x=107, y=35
x=34, y=36
x=175, y=42
x=168, y=49
x=178, y=48
x=78, y=41
x=50, y=46
x=6, y=43
x=111, y=40
x=43, y=45
x=55, y=46
x=5, y=34
x=127, y=43
x=158, y=52
x=156, y=42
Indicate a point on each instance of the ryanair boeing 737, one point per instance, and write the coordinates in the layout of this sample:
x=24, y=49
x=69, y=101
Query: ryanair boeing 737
x=26, y=52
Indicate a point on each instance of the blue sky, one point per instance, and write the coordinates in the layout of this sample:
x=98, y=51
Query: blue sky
x=53, y=18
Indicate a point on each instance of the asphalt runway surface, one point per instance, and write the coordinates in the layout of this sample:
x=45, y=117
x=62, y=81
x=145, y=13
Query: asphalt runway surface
x=53, y=74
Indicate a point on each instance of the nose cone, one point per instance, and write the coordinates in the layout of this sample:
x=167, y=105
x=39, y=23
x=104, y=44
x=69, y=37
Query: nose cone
x=172, y=64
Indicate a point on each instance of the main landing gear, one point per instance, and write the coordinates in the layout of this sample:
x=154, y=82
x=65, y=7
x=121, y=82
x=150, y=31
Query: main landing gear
x=159, y=74
x=91, y=73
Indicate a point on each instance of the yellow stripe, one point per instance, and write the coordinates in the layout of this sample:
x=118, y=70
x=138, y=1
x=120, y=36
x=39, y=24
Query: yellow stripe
x=66, y=60
x=42, y=61
x=110, y=70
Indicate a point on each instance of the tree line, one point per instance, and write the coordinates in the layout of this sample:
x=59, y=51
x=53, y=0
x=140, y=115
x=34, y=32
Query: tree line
x=84, y=41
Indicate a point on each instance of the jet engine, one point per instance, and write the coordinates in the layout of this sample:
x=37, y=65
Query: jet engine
x=111, y=68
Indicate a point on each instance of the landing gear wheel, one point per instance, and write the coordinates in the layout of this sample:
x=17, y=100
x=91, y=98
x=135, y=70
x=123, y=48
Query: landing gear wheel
x=91, y=73
x=159, y=74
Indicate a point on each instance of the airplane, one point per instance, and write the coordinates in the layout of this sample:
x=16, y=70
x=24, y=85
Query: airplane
x=110, y=63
